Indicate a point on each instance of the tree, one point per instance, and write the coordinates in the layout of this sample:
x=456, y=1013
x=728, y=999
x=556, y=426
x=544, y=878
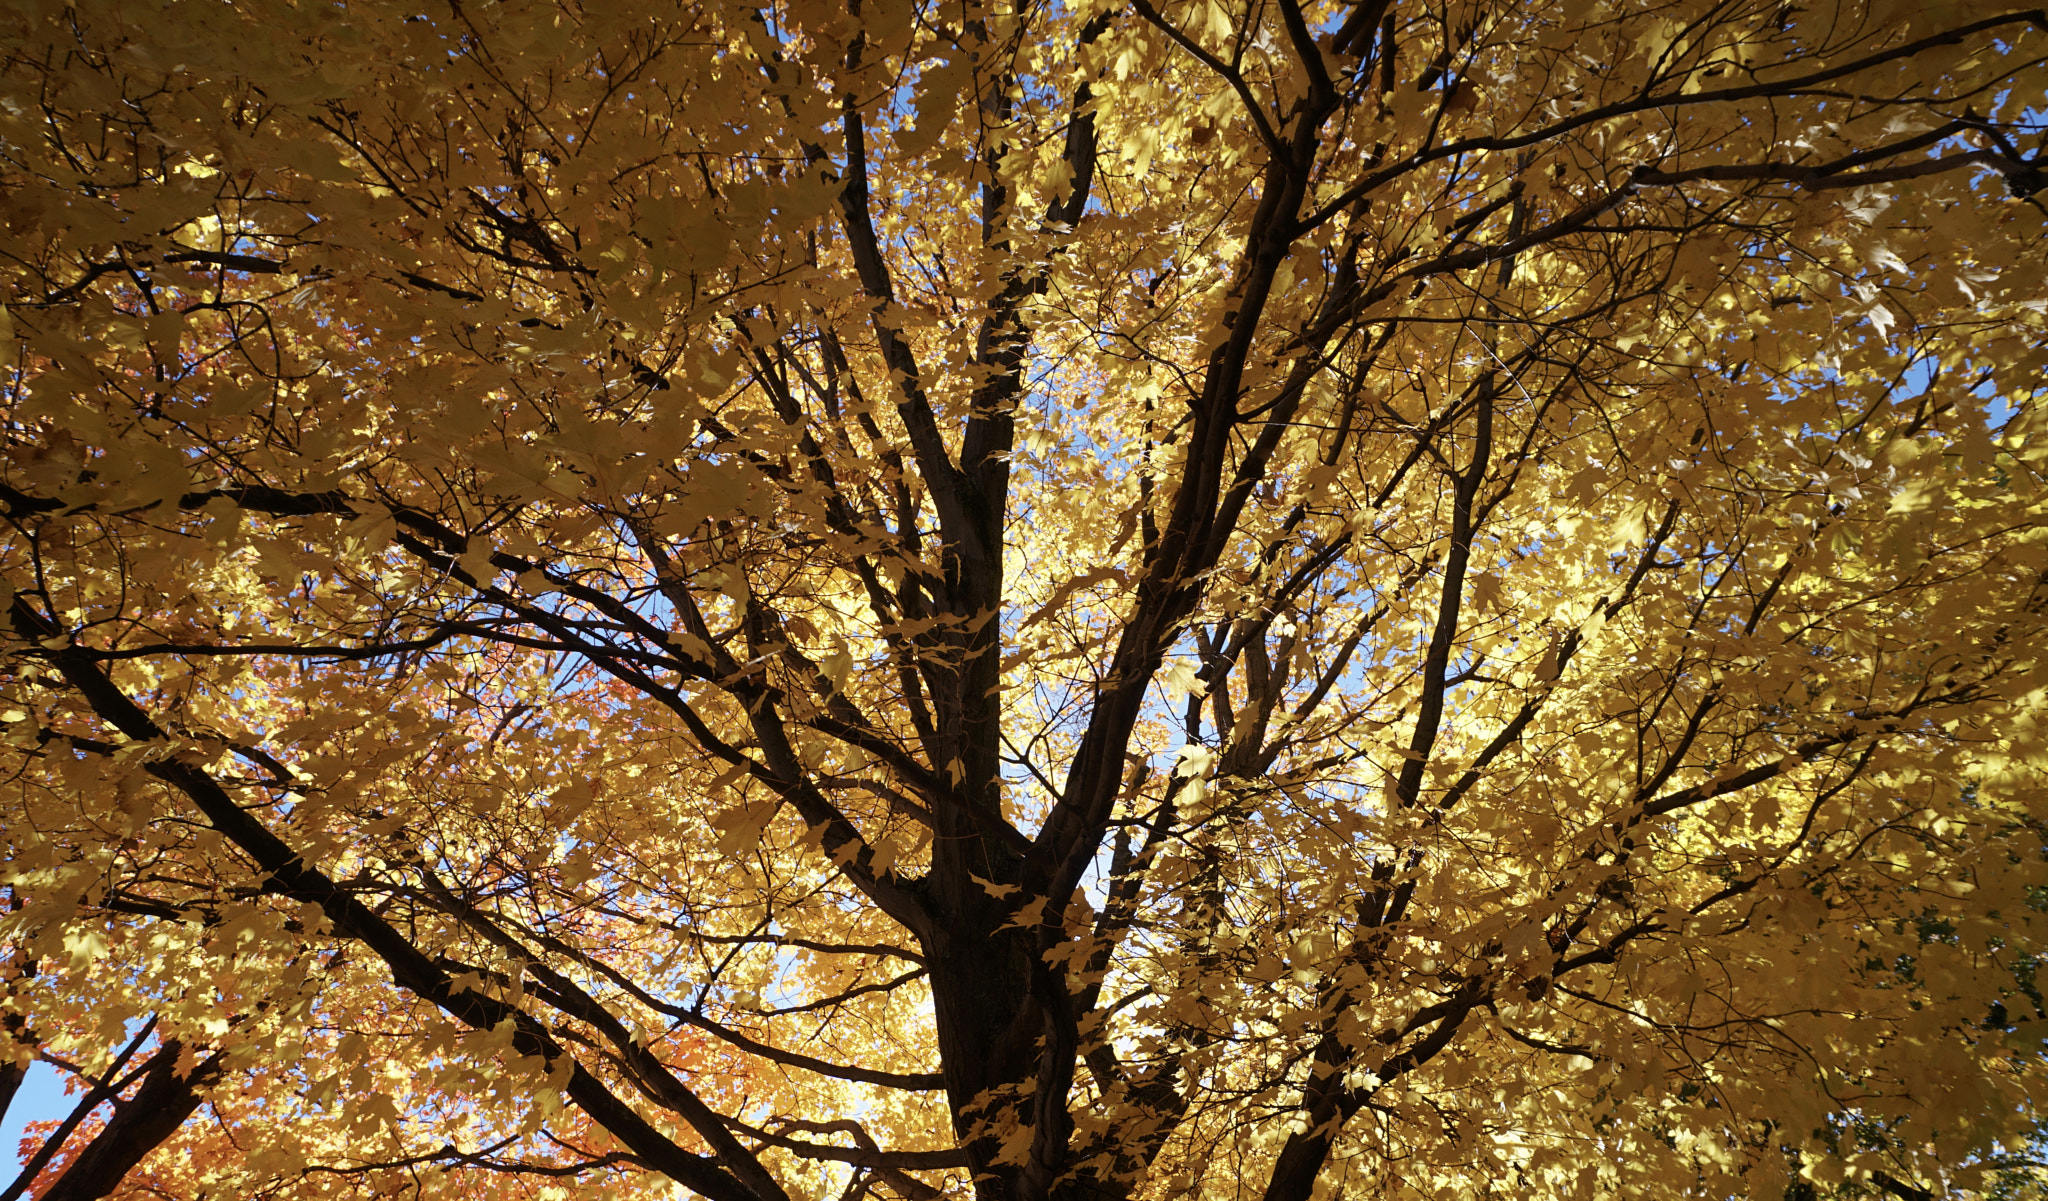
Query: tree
x=84, y=1156
x=1084, y=600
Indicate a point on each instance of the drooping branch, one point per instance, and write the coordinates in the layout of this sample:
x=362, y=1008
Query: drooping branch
x=735, y=1176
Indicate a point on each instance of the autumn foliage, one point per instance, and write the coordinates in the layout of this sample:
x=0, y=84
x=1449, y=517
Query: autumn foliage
x=1082, y=600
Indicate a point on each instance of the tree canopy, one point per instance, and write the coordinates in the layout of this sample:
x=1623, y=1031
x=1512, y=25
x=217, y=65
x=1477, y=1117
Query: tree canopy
x=1026, y=599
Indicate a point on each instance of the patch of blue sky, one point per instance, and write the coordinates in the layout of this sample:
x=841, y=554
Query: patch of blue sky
x=41, y=1098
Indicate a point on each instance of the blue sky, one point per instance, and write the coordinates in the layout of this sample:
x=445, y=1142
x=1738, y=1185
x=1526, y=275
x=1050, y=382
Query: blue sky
x=41, y=1099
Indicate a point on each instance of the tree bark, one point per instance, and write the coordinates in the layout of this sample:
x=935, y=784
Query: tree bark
x=139, y=1125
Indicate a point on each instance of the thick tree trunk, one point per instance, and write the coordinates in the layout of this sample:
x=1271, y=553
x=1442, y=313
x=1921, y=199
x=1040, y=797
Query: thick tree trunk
x=10, y=1083
x=139, y=1125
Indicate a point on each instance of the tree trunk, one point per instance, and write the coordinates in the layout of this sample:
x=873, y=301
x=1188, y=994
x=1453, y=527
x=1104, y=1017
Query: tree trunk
x=138, y=1126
